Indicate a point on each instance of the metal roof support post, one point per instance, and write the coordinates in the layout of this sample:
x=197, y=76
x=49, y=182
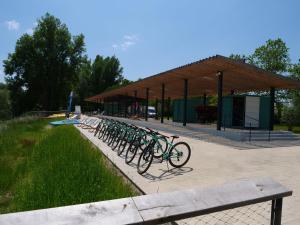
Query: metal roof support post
x=112, y=108
x=126, y=108
x=162, y=103
x=272, y=101
x=156, y=109
x=169, y=110
x=118, y=114
x=135, y=102
x=185, y=94
x=147, y=103
x=220, y=96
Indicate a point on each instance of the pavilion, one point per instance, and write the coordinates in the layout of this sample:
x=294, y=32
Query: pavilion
x=217, y=75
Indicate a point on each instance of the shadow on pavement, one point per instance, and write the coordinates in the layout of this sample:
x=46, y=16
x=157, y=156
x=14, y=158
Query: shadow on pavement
x=168, y=174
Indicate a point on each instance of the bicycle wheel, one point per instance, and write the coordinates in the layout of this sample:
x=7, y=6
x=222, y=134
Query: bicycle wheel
x=131, y=151
x=122, y=146
x=96, y=131
x=160, y=147
x=179, y=154
x=112, y=138
x=101, y=132
x=145, y=159
x=116, y=142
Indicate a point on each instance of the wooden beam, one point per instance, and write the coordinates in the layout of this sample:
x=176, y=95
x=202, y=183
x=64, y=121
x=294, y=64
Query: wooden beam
x=239, y=76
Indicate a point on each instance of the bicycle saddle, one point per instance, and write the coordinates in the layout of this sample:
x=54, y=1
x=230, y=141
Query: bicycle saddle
x=175, y=136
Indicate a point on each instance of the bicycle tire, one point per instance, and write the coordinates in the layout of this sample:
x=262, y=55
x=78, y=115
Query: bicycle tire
x=158, y=154
x=174, y=149
x=133, y=149
x=148, y=150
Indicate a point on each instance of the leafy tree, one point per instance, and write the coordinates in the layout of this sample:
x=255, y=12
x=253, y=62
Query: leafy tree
x=239, y=57
x=84, y=85
x=44, y=67
x=272, y=57
x=121, y=83
x=106, y=72
x=294, y=95
x=5, y=112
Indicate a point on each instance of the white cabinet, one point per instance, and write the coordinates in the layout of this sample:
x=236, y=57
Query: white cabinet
x=252, y=111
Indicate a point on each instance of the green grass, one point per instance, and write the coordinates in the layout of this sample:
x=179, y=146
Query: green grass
x=296, y=129
x=42, y=167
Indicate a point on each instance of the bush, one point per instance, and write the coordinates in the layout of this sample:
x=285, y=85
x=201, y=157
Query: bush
x=5, y=112
x=291, y=117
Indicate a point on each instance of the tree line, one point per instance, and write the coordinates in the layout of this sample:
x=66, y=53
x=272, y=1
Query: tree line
x=47, y=65
x=274, y=57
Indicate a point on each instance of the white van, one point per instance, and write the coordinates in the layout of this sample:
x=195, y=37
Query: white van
x=151, y=111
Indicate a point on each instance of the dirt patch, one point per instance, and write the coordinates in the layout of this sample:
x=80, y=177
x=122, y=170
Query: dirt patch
x=48, y=127
x=4, y=199
x=26, y=142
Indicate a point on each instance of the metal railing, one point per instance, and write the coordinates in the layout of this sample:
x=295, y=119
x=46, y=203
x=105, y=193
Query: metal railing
x=250, y=127
x=243, y=202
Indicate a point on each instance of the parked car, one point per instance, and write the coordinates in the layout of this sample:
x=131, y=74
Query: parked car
x=151, y=111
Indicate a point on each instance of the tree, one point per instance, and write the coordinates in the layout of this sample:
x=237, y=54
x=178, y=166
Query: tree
x=106, y=72
x=44, y=67
x=122, y=83
x=273, y=57
x=238, y=57
x=294, y=95
x=5, y=112
x=84, y=85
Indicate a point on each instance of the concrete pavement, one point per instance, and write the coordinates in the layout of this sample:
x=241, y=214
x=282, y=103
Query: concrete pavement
x=212, y=164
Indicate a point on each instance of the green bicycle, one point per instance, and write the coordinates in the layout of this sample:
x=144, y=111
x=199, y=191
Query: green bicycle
x=176, y=154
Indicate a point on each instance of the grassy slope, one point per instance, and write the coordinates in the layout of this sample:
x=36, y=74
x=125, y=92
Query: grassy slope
x=42, y=167
x=296, y=129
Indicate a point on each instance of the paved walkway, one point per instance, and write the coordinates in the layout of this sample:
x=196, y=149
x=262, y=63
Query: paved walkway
x=206, y=133
x=212, y=164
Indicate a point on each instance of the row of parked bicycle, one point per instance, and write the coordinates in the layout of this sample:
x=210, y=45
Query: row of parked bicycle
x=134, y=141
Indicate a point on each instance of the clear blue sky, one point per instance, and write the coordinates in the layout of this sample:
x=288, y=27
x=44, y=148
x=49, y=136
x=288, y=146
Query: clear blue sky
x=151, y=36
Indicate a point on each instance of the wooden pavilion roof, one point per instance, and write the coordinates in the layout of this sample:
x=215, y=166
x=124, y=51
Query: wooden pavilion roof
x=237, y=75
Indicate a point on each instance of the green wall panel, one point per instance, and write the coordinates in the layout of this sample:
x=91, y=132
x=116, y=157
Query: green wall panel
x=191, y=109
x=264, y=112
x=227, y=111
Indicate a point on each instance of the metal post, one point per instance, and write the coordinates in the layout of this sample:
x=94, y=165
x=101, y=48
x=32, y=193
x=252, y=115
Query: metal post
x=169, y=110
x=125, y=111
x=250, y=132
x=162, y=103
x=204, y=99
x=156, y=109
x=276, y=211
x=135, y=102
x=147, y=103
x=272, y=101
x=220, y=102
x=185, y=93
